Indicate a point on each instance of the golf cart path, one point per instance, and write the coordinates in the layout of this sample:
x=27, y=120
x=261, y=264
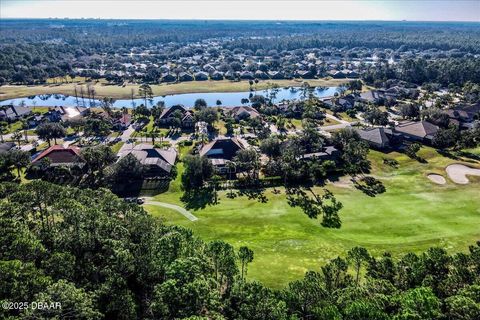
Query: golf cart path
x=187, y=214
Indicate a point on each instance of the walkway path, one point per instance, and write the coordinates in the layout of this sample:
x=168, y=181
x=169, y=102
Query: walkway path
x=179, y=209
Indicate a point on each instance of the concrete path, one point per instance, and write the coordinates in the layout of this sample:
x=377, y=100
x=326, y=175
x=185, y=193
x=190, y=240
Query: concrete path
x=179, y=209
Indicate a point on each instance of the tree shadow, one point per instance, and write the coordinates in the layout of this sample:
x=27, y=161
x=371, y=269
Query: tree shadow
x=254, y=194
x=460, y=155
x=198, y=198
x=369, y=186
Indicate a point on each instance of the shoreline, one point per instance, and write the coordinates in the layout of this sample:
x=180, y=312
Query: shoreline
x=121, y=92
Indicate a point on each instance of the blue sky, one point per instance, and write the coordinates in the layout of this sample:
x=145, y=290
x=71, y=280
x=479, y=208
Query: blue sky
x=419, y=10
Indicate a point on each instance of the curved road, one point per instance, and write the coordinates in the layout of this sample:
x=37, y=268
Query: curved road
x=187, y=214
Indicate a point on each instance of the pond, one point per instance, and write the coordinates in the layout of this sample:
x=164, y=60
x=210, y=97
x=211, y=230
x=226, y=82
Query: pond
x=227, y=99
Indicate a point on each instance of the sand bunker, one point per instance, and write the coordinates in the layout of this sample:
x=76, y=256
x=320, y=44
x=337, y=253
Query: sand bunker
x=458, y=173
x=436, y=178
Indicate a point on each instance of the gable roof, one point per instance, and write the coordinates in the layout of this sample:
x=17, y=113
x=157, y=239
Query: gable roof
x=146, y=154
x=12, y=111
x=59, y=155
x=224, y=148
x=168, y=112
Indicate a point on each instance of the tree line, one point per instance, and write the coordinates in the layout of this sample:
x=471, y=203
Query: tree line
x=104, y=258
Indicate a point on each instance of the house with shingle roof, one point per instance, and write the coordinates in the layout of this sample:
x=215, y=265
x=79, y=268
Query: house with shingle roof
x=169, y=114
x=417, y=130
x=375, y=137
x=157, y=161
x=59, y=155
x=243, y=112
x=221, y=151
x=12, y=113
x=6, y=146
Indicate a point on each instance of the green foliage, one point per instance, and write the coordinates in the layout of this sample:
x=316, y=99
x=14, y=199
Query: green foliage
x=197, y=170
x=314, y=205
x=54, y=240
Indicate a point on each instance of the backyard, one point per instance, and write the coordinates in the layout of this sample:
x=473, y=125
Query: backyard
x=412, y=215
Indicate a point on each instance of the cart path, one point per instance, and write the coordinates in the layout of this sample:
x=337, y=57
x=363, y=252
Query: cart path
x=187, y=214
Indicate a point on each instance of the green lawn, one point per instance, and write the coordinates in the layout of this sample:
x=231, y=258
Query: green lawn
x=412, y=215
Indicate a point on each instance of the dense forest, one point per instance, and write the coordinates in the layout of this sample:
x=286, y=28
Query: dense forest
x=32, y=51
x=103, y=258
x=98, y=34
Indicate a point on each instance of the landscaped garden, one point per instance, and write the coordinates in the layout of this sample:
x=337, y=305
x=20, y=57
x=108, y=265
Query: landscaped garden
x=412, y=215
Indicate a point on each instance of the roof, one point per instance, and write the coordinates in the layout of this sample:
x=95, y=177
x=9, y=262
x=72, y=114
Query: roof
x=375, y=135
x=59, y=155
x=329, y=151
x=146, y=154
x=6, y=146
x=168, y=112
x=224, y=148
x=238, y=111
x=420, y=129
x=12, y=112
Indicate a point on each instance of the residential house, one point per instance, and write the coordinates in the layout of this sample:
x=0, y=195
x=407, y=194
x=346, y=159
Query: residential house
x=276, y=75
x=168, y=77
x=372, y=96
x=328, y=153
x=246, y=75
x=217, y=75
x=261, y=75
x=14, y=113
x=185, y=116
x=422, y=131
x=304, y=74
x=184, y=76
x=59, y=155
x=6, y=146
x=201, y=76
x=376, y=137
x=464, y=116
x=243, y=112
x=123, y=122
x=221, y=151
x=157, y=161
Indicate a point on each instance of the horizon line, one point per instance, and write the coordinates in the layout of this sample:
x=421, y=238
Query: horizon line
x=214, y=19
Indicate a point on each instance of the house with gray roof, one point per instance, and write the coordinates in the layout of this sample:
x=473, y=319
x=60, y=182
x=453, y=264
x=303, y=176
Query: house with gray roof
x=375, y=137
x=157, y=161
x=13, y=113
x=423, y=131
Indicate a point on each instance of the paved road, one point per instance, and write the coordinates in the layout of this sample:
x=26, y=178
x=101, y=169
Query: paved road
x=187, y=214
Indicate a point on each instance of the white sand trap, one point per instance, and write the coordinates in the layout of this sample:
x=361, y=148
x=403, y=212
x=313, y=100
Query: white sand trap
x=436, y=178
x=458, y=173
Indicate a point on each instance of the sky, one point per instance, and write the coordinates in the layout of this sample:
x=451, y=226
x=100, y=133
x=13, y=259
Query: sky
x=419, y=10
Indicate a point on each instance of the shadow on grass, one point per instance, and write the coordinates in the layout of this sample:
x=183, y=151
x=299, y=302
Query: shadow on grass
x=369, y=185
x=198, y=199
x=460, y=155
x=254, y=194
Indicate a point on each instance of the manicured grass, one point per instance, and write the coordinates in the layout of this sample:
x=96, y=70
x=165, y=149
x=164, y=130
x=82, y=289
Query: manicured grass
x=412, y=215
x=117, y=146
x=124, y=92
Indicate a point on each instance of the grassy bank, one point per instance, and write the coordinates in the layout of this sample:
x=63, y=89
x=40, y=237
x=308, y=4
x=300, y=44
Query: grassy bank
x=103, y=89
x=412, y=215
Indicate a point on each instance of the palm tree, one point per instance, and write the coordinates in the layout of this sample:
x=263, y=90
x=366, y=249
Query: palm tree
x=17, y=136
x=3, y=129
x=25, y=127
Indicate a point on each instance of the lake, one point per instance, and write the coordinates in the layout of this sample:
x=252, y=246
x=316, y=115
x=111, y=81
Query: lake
x=186, y=99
